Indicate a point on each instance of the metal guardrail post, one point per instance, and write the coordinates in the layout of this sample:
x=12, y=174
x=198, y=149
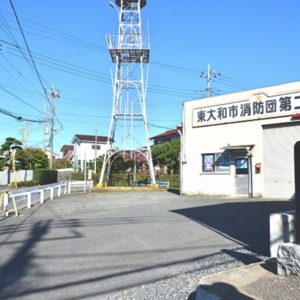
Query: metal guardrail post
x=42, y=196
x=28, y=199
x=5, y=202
x=4, y=196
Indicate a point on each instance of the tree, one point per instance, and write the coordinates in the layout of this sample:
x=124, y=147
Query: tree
x=33, y=158
x=62, y=163
x=168, y=154
x=9, y=143
x=7, y=147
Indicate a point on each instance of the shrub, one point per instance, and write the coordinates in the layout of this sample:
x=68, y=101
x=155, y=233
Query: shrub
x=80, y=176
x=27, y=183
x=45, y=176
x=77, y=176
x=173, y=180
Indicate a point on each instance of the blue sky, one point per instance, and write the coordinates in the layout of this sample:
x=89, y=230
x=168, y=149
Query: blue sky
x=250, y=43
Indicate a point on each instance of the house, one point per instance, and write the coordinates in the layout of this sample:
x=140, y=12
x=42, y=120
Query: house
x=54, y=155
x=88, y=148
x=242, y=144
x=67, y=152
x=167, y=136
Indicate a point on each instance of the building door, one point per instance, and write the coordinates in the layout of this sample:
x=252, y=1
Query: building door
x=242, y=176
x=278, y=163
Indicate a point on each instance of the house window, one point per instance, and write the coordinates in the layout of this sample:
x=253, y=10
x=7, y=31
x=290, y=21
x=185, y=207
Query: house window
x=216, y=162
x=94, y=147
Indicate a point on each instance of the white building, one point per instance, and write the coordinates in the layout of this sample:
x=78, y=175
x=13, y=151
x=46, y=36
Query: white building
x=88, y=148
x=242, y=144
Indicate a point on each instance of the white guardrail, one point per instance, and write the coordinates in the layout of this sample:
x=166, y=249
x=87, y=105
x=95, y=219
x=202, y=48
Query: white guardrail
x=44, y=192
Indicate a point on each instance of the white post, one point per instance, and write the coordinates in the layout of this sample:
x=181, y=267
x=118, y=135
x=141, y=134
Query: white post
x=65, y=189
x=51, y=193
x=42, y=196
x=84, y=189
x=95, y=166
x=5, y=203
x=28, y=199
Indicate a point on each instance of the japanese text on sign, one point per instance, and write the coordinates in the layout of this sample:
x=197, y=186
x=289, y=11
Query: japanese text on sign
x=245, y=110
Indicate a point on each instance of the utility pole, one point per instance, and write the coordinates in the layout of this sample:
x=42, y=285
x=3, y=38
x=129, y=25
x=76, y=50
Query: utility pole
x=208, y=77
x=95, y=166
x=25, y=134
x=54, y=94
x=45, y=129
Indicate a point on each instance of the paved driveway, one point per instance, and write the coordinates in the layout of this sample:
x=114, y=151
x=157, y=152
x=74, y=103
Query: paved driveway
x=102, y=245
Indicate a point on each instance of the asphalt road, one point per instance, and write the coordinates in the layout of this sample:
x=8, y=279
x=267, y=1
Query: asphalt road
x=102, y=245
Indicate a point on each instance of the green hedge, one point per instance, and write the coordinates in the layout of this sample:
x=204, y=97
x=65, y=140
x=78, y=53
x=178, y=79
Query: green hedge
x=173, y=180
x=80, y=176
x=45, y=176
x=122, y=179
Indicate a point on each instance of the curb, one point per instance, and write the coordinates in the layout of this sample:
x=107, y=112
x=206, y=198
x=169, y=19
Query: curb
x=232, y=284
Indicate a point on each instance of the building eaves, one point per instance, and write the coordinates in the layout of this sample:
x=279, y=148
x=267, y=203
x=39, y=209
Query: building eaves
x=89, y=138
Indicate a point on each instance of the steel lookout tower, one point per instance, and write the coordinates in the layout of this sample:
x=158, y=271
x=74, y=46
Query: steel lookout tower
x=129, y=50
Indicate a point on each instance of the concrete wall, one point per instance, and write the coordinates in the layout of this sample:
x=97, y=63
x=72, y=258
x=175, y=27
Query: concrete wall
x=22, y=175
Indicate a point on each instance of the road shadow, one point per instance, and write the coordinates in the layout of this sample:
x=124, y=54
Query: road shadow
x=220, y=290
x=18, y=265
x=174, y=191
x=246, y=222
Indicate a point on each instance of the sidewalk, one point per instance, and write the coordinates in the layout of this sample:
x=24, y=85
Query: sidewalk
x=255, y=281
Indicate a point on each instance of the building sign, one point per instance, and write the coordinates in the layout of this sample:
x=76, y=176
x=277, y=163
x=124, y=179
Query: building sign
x=257, y=107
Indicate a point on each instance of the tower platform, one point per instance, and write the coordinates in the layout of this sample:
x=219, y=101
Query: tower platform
x=127, y=3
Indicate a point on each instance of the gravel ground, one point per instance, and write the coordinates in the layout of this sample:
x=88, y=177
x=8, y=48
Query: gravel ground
x=183, y=285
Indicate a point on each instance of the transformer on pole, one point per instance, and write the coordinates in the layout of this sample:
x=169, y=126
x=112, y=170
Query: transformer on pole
x=129, y=50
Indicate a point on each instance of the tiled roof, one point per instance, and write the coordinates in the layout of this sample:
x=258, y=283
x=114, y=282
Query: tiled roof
x=67, y=148
x=169, y=133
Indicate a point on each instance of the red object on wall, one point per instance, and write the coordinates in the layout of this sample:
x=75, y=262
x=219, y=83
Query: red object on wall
x=257, y=168
x=296, y=116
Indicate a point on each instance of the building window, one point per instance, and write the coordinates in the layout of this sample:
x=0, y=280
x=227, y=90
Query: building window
x=98, y=147
x=241, y=166
x=216, y=162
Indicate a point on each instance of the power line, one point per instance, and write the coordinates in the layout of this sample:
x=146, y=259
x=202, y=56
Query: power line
x=94, y=75
x=185, y=70
x=69, y=39
x=27, y=46
x=19, y=118
x=15, y=96
x=18, y=72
